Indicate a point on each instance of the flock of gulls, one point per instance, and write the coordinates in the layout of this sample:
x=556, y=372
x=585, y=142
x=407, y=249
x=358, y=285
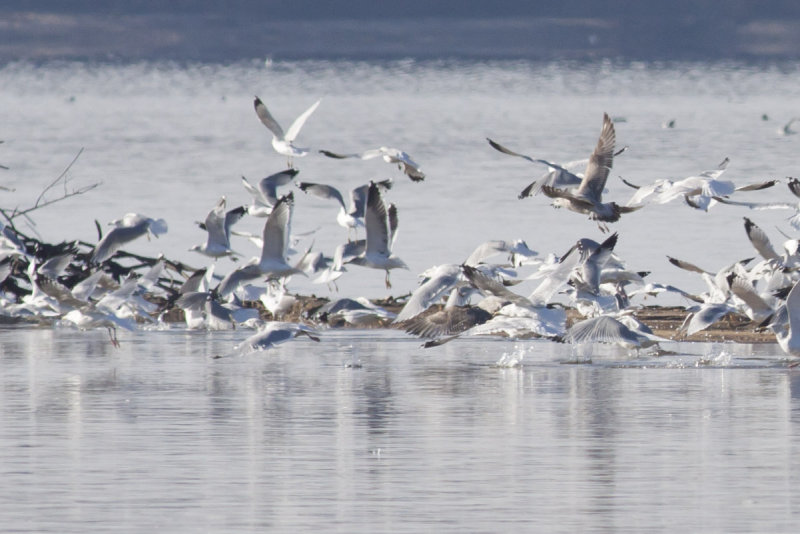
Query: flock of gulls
x=101, y=285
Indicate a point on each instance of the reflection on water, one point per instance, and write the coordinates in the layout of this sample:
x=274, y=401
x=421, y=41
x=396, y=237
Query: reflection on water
x=159, y=434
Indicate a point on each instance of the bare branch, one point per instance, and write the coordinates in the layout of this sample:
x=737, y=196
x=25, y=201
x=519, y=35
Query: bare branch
x=66, y=195
x=60, y=176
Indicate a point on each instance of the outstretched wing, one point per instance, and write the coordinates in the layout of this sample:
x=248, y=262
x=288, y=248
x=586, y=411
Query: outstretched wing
x=267, y=119
x=298, y=123
x=594, y=180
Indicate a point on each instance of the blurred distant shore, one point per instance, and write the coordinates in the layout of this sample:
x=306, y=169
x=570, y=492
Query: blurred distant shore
x=216, y=36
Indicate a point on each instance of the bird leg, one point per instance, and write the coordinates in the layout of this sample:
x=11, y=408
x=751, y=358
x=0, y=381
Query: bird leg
x=112, y=335
x=388, y=283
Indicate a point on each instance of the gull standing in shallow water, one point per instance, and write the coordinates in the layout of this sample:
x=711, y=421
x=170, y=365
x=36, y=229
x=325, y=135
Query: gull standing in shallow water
x=786, y=324
x=283, y=142
x=381, y=226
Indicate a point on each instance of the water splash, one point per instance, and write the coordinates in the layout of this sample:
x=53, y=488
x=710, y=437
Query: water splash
x=723, y=358
x=513, y=359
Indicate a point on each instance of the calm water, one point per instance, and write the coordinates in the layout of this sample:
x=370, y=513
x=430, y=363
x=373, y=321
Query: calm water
x=366, y=431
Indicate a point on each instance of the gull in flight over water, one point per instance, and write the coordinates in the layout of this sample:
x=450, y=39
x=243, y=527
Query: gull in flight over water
x=275, y=248
x=381, y=226
x=559, y=176
x=389, y=155
x=794, y=187
x=588, y=197
x=218, y=226
x=283, y=142
x=353, y=217
x=265, y=192
x=701, y=191
x=130, y=227
x=274, y=333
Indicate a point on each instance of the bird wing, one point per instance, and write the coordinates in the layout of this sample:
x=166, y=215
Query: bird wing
x=268, y=187
x=376, y=221
x=117, y=237
x=215, y=223
x=232, y=217
x=600, y=162
x=760, y=240
x=323, y=191
x=757, y=186
x=277, y=230
x=336, y=155
x=686, y=265
x=393, y=223
x=497, y=146
x=298, y=123
x=267, y=119
x=601, y=329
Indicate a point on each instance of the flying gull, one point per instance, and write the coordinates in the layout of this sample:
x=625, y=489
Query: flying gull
x=389, y=155
x=381, y=227
x=283, y=142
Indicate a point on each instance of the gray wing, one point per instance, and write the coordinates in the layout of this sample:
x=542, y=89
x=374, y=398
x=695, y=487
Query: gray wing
x=277, y=230
x=760, y=241
x=601, y=329
x=376, y=221
x=600, y=162
x=327, y=192
x=269, y=186
x=236, y=277
x=232, y=217
x=114, y=239
x=215, y=223
x=298, y=123
x=267, y=119
x=442, y=280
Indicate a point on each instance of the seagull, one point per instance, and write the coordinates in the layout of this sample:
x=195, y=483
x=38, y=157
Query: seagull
x=218, y=226
x=130, y=227
x=272, y=262
x=283, y=143
x=701, y=192
x=559, y=176
x=274, y=333
x=439, y=281
x=587, y=198
x=607, y=329
x=205, y=305
x=346, y=218
x=381, y=227
x=787, y=128
x=389, y=155
x=265, y=193
x=786, y=324
x=447, y=321
x=794, y=187
x=358, y=312
x=511, y=315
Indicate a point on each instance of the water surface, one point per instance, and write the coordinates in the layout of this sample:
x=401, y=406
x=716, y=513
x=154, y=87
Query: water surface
x=366, y=431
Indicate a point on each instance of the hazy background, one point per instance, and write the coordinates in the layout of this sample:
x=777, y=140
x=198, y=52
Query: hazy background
x=216, y=31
